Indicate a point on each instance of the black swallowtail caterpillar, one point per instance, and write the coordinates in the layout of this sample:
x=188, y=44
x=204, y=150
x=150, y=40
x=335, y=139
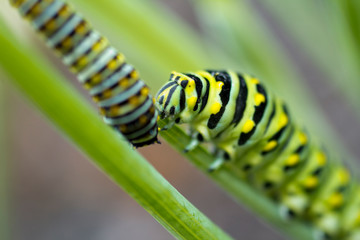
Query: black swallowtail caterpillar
x=115, y=86
x=249, y=124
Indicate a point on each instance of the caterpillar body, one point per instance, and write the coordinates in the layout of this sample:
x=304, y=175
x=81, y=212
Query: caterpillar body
x=123, y=98
x=250, y=125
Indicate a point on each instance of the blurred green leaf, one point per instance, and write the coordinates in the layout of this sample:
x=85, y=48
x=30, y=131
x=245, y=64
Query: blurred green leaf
x=327, y=32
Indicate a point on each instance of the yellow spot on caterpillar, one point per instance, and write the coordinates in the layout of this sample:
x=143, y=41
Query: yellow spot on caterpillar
x=120, y=58
x=50, y=25
x=35, y=10
x=283, y=120
x=67, y=42
x=134, y=100
x=16, y=3
x=254, y=81
x=292, y=160
x=248, y=126
x=153, y=100
x=124, y=83
x=215, y=108
x=158, y=119
x=80, y=28
x=134, y=75
x=311, y=182
x=190, y=86
x=106, y=94
x=112, y=64
x=220, y=85
x=270, y=145
x=96, y=78
x=259, y=98
x=143, y=119
x=114, y=110
x=303, y=138
x=191, y=102
x=336, y=199
x=96, y=98
x=82, y=61
x=321, y=158
x=344, y=176
x=87, y=85
x=145, y=91
x=64, y=11
x=97, y=45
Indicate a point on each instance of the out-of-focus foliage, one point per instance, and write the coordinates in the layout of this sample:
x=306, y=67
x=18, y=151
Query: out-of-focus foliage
x=327, y=34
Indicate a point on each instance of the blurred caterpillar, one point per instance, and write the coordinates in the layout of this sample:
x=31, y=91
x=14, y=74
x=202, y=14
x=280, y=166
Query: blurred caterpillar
x=114, y=85
x=247, y=123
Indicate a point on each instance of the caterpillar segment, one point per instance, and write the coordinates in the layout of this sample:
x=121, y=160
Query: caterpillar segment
x=326, y=208
x=123, y=98
x=253, y=128
x=297, y=194
x=278, y=170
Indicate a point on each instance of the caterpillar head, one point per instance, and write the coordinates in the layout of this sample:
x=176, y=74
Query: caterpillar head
x=176, y=95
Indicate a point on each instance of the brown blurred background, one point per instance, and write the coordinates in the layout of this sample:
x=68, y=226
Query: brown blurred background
x=56, y=193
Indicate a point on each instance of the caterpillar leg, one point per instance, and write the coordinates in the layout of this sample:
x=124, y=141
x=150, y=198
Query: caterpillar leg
x=221, y=157
x=197, y=138
x=219, y=161
x=168, y=125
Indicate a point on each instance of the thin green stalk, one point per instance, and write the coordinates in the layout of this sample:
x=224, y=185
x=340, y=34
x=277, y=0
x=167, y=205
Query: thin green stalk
x=105, y=147
x=228, y=179
x=4, y=167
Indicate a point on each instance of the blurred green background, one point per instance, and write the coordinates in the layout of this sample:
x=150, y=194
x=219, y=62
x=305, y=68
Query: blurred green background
x=307, y=52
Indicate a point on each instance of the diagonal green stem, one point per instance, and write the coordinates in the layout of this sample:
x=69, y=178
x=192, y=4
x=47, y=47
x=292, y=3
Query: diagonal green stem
x=106, y=148
x=229, y=180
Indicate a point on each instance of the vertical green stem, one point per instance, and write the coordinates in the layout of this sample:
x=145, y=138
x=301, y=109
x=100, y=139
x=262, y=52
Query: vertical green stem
x=4, y=211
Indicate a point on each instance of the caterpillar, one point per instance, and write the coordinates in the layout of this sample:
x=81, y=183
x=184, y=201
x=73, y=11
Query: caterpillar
x=115, y=86
x=252, y=127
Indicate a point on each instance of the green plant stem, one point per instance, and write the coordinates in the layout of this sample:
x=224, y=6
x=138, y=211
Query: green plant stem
x=229, y=180
x=4, y=166
x=105, y=147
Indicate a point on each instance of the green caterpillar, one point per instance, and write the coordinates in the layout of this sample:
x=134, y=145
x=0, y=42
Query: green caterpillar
x=123, y=98
x=250, y=125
